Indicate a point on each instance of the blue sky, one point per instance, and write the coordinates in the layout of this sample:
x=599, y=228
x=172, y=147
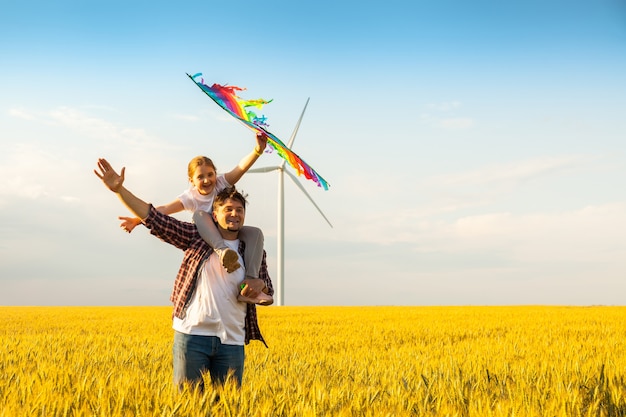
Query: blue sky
x=475, y=150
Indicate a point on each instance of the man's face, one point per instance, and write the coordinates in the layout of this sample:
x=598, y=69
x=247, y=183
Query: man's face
x=230, y=215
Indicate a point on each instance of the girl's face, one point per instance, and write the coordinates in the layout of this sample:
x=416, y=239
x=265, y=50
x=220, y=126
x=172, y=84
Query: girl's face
x=203, y=179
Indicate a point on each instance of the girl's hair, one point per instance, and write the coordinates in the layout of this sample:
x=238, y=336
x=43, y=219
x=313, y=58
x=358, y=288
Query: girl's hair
x=199, y=161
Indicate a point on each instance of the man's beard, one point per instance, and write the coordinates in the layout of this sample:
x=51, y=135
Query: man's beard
x=231, y=228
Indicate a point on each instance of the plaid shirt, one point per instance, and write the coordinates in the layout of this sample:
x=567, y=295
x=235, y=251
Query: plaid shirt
x=185, y=236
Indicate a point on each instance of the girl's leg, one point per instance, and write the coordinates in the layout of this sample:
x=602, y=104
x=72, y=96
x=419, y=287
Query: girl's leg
x=208, y=231
x=252, y=259
x=253, y=255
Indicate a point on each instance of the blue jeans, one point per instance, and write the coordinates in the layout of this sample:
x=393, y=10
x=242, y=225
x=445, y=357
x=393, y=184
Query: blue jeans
x=195, y=355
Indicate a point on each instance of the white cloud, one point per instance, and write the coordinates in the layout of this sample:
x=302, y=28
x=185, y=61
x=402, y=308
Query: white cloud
x=457, y=123
x=21, y=114
x=186, y=117
x=32, y=172
x=512, y=172
x=89, y=127
x=450, y=122
x=460, y=215
x=95, y=127
x=18, y=186
x=590, y=234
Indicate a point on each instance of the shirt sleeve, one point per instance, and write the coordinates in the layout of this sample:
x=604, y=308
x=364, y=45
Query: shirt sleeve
x=187, y=199
x=221, y=183
x=170, y=230
x=265, y=276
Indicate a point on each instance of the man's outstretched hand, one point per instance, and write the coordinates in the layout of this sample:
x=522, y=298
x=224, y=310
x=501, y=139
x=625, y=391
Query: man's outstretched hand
x=109, y=177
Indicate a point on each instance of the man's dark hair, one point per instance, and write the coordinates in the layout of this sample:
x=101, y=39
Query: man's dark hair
x=229, y=193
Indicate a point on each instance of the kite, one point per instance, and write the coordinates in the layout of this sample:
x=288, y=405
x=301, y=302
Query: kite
x=226, y=97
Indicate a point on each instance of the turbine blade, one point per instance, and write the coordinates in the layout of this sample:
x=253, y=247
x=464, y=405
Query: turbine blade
x=295, y=180
x=265, y=169
x=295, y=130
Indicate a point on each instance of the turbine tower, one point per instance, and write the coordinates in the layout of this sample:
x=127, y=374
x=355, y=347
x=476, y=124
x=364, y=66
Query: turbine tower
x=280, y=253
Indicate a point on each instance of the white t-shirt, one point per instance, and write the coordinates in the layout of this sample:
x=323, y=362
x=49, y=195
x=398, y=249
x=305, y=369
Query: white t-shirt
x=192, y=200
x=214, y=309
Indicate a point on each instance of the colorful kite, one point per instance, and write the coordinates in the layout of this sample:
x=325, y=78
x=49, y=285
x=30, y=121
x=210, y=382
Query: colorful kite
x=226, y=97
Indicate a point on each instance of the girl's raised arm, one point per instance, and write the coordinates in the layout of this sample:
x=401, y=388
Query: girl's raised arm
x=244, y=165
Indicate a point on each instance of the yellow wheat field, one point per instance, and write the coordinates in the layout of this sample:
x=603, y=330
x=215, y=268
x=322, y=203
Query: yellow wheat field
x=324, y=361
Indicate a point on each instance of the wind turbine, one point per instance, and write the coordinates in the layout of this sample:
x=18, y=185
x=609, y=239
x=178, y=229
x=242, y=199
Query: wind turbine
x=280, y=259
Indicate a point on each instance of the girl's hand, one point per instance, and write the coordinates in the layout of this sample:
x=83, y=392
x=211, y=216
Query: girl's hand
x=261, y=141
x=252, y=287
x=129, y=223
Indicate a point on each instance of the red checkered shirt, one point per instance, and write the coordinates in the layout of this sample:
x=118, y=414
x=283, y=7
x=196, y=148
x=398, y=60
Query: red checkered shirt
x=185, y=236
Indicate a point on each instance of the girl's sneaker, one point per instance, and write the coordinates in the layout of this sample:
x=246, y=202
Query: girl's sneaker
x=229, y=259
x=261, y=299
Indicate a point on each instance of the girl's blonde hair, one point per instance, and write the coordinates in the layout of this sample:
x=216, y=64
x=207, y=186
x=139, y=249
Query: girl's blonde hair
x=199, y=161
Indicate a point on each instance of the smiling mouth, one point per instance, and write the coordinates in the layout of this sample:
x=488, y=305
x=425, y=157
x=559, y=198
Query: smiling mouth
x=232, y=223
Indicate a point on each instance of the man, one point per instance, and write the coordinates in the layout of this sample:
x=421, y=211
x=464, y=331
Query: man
x=211, y=326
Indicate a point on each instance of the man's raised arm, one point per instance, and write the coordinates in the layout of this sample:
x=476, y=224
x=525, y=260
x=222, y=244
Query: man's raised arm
x=115, y=183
